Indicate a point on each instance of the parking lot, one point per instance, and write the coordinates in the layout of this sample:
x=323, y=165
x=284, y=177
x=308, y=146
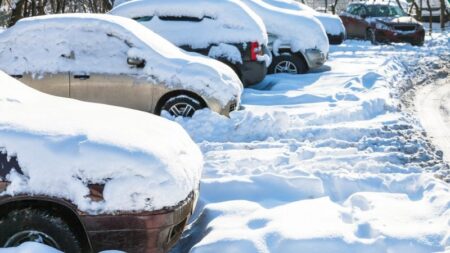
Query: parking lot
x=327, y=160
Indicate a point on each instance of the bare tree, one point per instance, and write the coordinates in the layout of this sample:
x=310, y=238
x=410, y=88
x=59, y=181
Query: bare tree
x=443, y=16
x=430, y=19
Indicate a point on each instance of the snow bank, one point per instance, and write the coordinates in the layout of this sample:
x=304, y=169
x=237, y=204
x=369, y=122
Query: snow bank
x=332, y=23
x=325, y=162
x=30, y=247
x=145, y=161
x=93, y=43
x=298, y=31
x=226, y=21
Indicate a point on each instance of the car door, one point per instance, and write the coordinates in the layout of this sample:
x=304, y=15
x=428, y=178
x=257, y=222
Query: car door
x=51, y=83
x=104, y=76
x=350, y=19
x=360, y=23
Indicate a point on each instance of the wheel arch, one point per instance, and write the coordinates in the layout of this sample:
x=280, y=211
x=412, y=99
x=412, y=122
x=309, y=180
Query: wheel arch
x=66, y=212
x=164, y=98
x=298, y=54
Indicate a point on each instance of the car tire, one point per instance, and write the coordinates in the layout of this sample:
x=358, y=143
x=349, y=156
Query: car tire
x=371, y=35
x=19, y=226
x=182, y=105
x=288, y=63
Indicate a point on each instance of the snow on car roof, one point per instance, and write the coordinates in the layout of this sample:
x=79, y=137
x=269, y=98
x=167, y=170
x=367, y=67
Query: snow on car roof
x=98, y=43
x=146, y=161
x=332, y=23
x=225, y=21
x=300, y=31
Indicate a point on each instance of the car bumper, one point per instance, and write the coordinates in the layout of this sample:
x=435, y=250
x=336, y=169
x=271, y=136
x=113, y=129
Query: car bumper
x=336, y=39
x=413, y=37
x=315, y=58
x=252, y=72
x=151, y=232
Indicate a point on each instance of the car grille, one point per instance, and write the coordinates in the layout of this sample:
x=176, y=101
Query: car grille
x=405, y=27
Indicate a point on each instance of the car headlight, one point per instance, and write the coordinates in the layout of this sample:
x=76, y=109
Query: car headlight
x=382, y=26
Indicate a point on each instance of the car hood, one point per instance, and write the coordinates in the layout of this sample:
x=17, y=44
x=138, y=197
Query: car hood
x=394, y=20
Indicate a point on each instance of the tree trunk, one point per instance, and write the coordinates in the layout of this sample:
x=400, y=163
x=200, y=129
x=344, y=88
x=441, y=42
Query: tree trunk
x=443, y=16
x=17, y=12
x=430, y=19
x=334, y=6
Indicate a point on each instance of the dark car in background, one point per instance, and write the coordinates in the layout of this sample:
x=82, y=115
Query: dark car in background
x=382, y=22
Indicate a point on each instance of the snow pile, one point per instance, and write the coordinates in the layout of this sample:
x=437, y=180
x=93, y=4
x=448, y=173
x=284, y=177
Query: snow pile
x=145, y=161
x=30, y=247
x=225, y=21
x=333, y=24
x=323, y=162
x=64, y=47
x=298, y=31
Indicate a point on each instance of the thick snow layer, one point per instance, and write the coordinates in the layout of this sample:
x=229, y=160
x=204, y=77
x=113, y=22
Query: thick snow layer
x=297, y=30
x=225, y=21
x=324, y=162
x=332, y=23
x=145, y=161
x=93, y=43
x=30, y=247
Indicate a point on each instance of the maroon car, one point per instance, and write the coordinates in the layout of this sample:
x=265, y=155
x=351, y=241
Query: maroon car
x=382, y=22
x=84, y=177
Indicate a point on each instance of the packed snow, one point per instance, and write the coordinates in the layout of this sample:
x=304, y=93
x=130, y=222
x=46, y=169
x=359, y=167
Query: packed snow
x=332, y=23
x=63, y=47
x=324, y=162
x=299, y=31
x=146, y=162
x=225, y=21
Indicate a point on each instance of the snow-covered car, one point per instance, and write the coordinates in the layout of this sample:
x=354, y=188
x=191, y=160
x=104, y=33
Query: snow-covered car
x=225, y=30
x=115, y=60
x=382, y=22
x=332, y=23
x=87, y=177
x=295, y=48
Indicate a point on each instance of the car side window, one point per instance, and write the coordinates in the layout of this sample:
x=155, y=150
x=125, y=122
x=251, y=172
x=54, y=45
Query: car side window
x=362, y=12
x=184, y=18
x=143, y=19
x=355, y=9
x=104, y=52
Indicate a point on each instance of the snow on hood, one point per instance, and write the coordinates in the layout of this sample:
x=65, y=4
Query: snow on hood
x=225, y=21
x=393, y=20
x=145, y=161
x=63, y=47
x=332, y=23
x=299, y=30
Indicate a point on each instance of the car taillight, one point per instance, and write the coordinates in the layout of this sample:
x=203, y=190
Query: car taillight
x=255, y=50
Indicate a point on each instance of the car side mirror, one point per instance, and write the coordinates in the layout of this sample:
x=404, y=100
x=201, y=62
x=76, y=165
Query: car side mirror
x=136, y=61
x=363, y=16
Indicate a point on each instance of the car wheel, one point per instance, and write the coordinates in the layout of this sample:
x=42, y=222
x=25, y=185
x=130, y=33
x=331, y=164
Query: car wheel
x=35, y=225
x=288, y=63
x=182, y=105
x=371, y=35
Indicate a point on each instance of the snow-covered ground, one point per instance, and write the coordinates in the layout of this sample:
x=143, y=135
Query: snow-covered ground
x=324, y=162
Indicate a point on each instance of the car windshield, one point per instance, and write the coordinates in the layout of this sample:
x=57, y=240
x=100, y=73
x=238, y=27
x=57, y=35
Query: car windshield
x=385, y=11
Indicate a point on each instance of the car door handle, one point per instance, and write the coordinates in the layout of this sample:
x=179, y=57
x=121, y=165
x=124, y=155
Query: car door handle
x=17, y=76
x=81, y=77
